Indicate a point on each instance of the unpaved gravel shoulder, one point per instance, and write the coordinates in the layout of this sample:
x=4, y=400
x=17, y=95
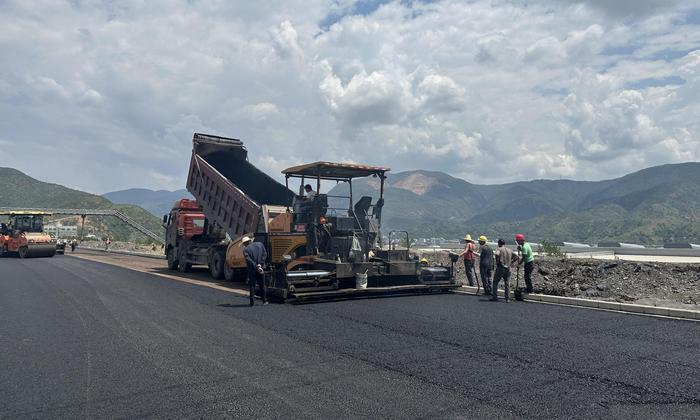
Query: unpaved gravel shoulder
x=674, y=285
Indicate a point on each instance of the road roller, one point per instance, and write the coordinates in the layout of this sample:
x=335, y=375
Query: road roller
x=23, y=235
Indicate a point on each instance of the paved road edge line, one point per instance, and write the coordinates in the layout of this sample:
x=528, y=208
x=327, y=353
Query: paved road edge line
x=194, y=282
x=122, y=252
x=601, y=304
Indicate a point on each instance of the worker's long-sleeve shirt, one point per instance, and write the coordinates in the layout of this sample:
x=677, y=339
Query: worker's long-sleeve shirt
x=486, y=256
x=255, y=254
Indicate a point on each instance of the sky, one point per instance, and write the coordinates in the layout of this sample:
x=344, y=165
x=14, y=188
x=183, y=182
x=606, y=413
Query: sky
x=105, y=95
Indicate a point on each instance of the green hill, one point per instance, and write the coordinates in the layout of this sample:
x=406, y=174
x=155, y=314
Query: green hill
x=20, y=190
x=651, y=206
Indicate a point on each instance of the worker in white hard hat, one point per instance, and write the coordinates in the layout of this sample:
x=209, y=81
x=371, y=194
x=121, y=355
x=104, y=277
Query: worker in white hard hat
x=469, y=258
x=255, y=256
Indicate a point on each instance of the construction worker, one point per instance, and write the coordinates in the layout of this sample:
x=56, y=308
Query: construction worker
x=485, y=264
x=504, y=260
x=310, y=193
x=469, y=258
x=424, y=262
x=255, y=256
x=528, y=258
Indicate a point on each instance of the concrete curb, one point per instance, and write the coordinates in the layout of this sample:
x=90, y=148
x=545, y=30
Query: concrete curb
x=119, y=251
x=600, y=304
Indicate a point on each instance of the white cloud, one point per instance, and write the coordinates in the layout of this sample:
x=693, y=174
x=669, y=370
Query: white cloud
x=490, y=90
x=261, y=111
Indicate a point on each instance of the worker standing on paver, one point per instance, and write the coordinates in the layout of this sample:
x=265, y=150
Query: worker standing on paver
x=485, y=264
x=504, y=260
x=469, y=258
x=528, y=259
x=310, y=193
x=255, y=257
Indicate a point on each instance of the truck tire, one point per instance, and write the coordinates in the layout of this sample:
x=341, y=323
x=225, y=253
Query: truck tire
x=216, y=264
x=182, y=263
x=234, y=274
x=172, y=261
x=183, y=266
x=3, y=251
x=23, y=252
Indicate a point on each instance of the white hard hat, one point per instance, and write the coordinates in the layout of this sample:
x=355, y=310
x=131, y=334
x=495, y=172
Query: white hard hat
x=246, y=239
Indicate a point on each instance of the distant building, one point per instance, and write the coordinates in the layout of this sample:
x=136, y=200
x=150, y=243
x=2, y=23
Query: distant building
x=61, y=231
x=618, y=245
x=681, y=245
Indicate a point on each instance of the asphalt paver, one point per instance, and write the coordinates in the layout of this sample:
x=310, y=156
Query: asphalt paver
x=84, y=339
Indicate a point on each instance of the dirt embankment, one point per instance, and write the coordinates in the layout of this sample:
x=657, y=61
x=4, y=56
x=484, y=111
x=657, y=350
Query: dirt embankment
x=646, y=283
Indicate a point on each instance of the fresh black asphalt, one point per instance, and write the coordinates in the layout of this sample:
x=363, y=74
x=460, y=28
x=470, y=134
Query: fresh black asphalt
x=80, y=339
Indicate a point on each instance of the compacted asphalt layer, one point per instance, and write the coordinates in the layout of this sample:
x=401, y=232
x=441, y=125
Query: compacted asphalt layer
x=81, y=339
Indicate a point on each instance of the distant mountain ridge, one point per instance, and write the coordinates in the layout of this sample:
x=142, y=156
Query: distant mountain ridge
x=157, y=202
x=20, y=190
x=653, y=205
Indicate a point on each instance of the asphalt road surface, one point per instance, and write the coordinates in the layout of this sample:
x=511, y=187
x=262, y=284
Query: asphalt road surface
x=80, y=339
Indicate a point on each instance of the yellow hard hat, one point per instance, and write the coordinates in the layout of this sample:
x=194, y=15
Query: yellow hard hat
x=483, y=238
x=424, y=260
x=468, y=238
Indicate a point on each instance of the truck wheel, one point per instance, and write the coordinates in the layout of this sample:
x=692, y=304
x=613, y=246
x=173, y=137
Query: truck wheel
x=183, y=266
x=3, y=251
x=216, y=265
x=172, y=261
x=23, y=251
x=229, y=273
x=182, y=263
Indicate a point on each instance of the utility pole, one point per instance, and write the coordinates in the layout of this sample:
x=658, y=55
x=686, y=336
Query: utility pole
x=82, y=226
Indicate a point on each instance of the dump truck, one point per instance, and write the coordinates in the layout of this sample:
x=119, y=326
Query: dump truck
x=317, y=248
x=191, y=240
x=24, y=235
x=208, y=231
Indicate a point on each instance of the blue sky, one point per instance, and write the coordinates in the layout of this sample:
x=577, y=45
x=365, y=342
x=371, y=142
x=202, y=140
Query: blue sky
x=106, y=95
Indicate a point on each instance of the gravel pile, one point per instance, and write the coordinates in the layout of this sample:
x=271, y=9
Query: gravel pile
x=646, y=283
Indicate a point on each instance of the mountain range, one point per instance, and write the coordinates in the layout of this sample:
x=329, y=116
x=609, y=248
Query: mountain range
x=157, y=202
x=20, y=190
x=651, y=206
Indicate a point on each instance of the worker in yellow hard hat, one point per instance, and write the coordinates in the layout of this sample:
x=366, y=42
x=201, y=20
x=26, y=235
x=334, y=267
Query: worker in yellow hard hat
x=469, y=258
x=485, y=264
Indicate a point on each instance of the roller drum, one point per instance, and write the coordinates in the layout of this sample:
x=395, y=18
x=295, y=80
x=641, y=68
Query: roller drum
x=38, y=251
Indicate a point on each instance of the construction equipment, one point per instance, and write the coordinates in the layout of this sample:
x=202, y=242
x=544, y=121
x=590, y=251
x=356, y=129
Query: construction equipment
x=315, y=250
x=83, y=213
x=24, y=235
x=208, y=231
x=191, y=240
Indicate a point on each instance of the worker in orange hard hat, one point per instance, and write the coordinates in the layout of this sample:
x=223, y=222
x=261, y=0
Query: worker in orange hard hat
x=528, y=258
x=469, y=258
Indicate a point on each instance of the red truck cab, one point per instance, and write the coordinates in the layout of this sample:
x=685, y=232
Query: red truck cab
x=185, y=220
x=190, y=240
